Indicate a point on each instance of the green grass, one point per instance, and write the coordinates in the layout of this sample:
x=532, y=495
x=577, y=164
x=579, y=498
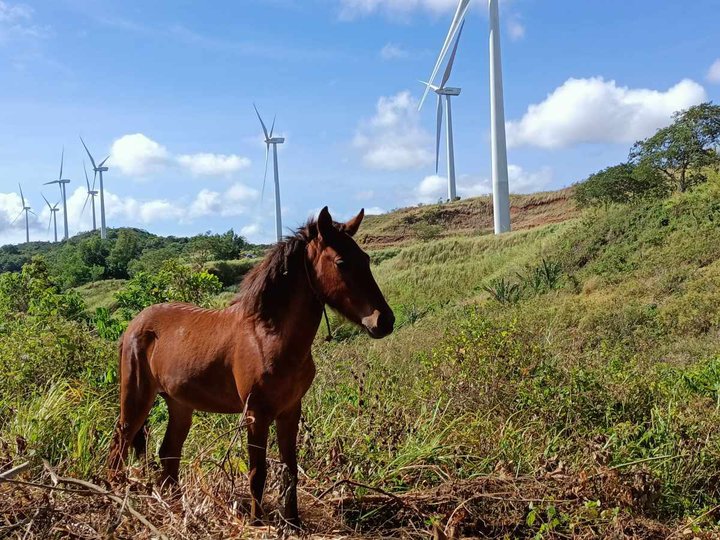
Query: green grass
x=607, y=360
x=100, y=294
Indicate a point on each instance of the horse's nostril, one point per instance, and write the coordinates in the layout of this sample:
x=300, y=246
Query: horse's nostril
x=387, y=321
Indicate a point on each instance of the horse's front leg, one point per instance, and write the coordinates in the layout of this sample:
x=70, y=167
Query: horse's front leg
x=287, y=428
x=257, y=449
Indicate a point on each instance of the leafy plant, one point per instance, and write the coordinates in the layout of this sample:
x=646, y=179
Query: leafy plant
x=504, y=291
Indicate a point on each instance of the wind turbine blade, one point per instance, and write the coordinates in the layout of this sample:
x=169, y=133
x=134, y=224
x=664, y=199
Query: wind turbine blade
x=87, y=180
x=51, y=182
x=85, y=204
x=439, y=131
x=62, y=159
x=22, y=197
x=272, y=128
x=457, y=18
x=267, y=156
x=94, y=178
x=265, y=131
x=33, y=213
x=49, y=222
x=88, y=153
x=103, y=161
x=46, y=201
x=20, y=214
x=450, y=63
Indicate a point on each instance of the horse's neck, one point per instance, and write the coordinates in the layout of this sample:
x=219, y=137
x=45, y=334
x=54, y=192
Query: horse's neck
x=294, y=322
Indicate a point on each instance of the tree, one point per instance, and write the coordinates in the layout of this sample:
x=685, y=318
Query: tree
x=684, y=150
x=621, y=184
x=218, y=247
x=128, y=247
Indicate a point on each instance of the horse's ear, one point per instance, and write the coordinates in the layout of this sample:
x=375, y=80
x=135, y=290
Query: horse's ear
x=325, y=223
x=352, y=226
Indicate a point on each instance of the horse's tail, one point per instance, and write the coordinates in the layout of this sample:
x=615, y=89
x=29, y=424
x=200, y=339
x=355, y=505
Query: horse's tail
x=139, y=441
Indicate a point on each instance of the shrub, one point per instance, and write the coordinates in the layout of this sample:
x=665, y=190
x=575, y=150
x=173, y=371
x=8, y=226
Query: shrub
x=175, y=282
x=230, y=272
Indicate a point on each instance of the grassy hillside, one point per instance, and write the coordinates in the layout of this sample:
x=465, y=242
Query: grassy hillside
x=467, y=216
x=561, y=380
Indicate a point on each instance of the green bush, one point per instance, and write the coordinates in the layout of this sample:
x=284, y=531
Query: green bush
x=174, y=282
x=230, y=272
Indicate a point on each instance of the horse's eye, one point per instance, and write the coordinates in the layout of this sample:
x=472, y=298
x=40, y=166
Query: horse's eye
x=340, y=263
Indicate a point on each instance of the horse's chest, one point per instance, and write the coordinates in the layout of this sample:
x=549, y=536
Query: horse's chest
x=283, y=388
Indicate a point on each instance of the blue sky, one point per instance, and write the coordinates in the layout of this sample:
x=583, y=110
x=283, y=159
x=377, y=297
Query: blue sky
x=167, y=88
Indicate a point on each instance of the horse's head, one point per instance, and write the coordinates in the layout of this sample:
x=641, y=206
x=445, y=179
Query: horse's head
x=343, y=278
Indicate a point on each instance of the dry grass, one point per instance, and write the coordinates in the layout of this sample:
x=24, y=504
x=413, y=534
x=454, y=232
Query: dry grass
x=604, y=503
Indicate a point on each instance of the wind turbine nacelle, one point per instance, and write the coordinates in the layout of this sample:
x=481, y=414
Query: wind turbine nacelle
x=449, y=91
x=101, y=169
x=276, y=140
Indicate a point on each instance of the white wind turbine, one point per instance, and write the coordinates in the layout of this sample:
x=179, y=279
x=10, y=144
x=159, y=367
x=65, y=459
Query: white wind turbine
x=274, y=141
x=62, y=182
x=447, y=92
x=99, y=169
x=53, y=215
x=501, y=193
x=91, y=194
x=27, y=210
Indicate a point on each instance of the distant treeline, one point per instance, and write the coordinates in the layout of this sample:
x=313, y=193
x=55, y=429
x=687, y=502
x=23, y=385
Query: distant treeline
x=85, y=258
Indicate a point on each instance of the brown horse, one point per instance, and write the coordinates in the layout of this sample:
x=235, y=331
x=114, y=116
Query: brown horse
x=253, y=355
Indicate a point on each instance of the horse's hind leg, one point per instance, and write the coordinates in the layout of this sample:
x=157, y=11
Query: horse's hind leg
x=175, y=435
x=137, y=394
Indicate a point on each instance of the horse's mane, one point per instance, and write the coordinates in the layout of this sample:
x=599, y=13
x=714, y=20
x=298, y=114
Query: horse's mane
x=269, y=282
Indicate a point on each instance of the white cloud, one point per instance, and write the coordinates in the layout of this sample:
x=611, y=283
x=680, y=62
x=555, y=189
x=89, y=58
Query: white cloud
x=138, y=155
x=393, y=139
x=713, y=74
x=16, y=24
x=352, y=9
x=391, y=51
x=236, y=200
x=12, y=13
x=433, y=188
x=598, y=111
x=10, y=207
x=205, y=164
x=516, y=30
x=374, y=211
x=251, y=230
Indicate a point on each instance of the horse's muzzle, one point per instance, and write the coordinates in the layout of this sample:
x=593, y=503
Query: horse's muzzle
x=380, y=323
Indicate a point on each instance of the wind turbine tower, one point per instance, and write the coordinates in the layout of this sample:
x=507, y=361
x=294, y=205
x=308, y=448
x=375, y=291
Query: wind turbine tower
x=62, y=182
x=27, y=210
x=443, y=91
x=99, y=169
x=53, y=215
x=274, y=141
x=501, y=193
x=501, y=190
x=91, y=194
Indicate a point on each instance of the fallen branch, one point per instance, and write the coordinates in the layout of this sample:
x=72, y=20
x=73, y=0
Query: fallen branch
x=97, y=490
x=12, y=473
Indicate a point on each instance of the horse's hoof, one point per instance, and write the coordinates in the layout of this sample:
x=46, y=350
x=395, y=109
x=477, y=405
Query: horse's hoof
x=291, y=527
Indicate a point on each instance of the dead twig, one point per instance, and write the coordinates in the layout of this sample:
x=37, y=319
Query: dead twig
x=97, y=490
x=12, y=473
